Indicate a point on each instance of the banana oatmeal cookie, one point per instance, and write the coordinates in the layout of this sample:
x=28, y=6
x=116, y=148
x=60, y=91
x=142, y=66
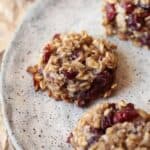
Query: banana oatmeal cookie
x=129, y=19
x=76, y=68
x=112, y=126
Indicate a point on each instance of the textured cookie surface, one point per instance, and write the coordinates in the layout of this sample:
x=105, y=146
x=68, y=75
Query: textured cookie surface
x=76, y=68
x=129, y=19
x=111, y=126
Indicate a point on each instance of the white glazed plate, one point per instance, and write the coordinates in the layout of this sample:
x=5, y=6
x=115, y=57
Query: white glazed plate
x=33, y=120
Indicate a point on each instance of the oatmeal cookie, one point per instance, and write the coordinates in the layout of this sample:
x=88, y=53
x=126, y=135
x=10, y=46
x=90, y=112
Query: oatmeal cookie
x=76, y=68
x=112, y=126
x=129, y=19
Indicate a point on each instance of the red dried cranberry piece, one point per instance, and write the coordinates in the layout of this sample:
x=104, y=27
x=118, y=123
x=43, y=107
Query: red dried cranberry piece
x=128, y=6
x=46, y=53
x=96, y=131
x=75, y=54
x=145, y=14
x=92, y=140
x=56, y=36
x=129, y=106
x=110, y=11
x=81, y=102
x=113, y=106
x=145, y=40
x=69, y=138
x=128, y=113
x=83, y=98
x=102, y=82
x=107, y=121
x=70, y=74
x=135, y=21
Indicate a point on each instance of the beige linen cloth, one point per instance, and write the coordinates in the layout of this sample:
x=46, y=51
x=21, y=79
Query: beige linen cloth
x=11, y=12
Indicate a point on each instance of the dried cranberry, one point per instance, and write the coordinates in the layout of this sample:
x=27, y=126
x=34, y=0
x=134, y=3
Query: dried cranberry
x=74, y=55
x=81, y=102
x=104, y=80
x=110, y=11
x=46, y=56
x=128, y=6
x=56, y=36
x=69, y=138
x=101, y=83
x=46, y=53
x=91, y=141
x=96, y=131
x=128, y=113
x=145, y=40
x=129, y=106
x=107, y=121
x=135, y=21
x=70, y=74
x=83, y=98
x=145, y=14
x=113, y=106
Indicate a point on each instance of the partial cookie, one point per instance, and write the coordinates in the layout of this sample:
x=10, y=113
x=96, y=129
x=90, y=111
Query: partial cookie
x=112, y=126
x=129, y=19
x=76, y=68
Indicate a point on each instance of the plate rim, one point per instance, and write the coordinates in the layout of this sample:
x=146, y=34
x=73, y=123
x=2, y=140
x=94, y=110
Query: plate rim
x=6, y=55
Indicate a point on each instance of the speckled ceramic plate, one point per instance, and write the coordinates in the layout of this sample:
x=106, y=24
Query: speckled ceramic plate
x=33, y=120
